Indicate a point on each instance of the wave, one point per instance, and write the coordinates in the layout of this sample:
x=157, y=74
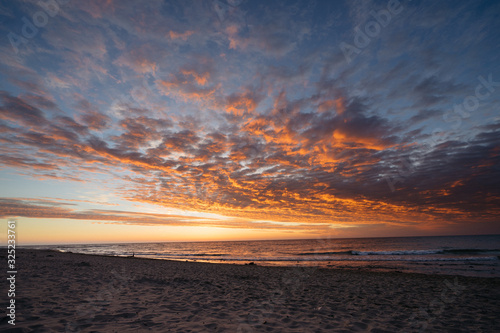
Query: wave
x=366, y=253
x=163, y=254
x=193, y=254
x=323, y=253
x=302, y=259
x=436, y=254
x=471, y=251
x=397, y=253
x=403, y=252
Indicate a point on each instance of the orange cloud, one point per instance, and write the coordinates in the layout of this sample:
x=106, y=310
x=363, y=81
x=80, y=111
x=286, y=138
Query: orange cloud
x=181, y=35
x=282, y=166
x=141, y=58
x=201, y=78
x=239, y=104
x=234, y=41
x=186, y=91
x=337, y=104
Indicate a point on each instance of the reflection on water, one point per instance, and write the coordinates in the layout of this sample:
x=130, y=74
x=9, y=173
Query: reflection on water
x=462, y=255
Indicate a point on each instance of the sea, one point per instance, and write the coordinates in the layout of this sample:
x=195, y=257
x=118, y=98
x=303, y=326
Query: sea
x=453, y=255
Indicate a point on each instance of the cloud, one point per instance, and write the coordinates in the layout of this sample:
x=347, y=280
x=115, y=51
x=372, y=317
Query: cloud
x=255, y=114
x=180, y=35
x=141, y=131
x=424, y=115
x=142, y=58
x=28, y=163
x=56, y=209
x=90, y=116
x=191, y=82
x=243, y=102
x=17, y=110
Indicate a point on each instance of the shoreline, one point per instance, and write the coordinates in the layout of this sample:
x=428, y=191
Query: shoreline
x=72, y=292
x=361, y=269
x=340, y=266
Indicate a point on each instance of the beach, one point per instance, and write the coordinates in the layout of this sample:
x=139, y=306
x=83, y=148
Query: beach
x=69, y=292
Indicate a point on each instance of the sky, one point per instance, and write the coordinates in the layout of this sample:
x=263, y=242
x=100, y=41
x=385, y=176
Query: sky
x=137, y=121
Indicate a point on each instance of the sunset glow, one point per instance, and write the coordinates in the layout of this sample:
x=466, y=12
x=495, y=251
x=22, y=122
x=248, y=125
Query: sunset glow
x=128, y=121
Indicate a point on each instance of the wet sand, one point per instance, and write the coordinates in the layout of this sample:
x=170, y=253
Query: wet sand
x=66, y=292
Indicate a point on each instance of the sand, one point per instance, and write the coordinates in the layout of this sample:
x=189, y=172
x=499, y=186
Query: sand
x=66, y=292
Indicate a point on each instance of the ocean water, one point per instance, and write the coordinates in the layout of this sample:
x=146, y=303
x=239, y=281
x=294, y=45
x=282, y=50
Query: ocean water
x=457, y=255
